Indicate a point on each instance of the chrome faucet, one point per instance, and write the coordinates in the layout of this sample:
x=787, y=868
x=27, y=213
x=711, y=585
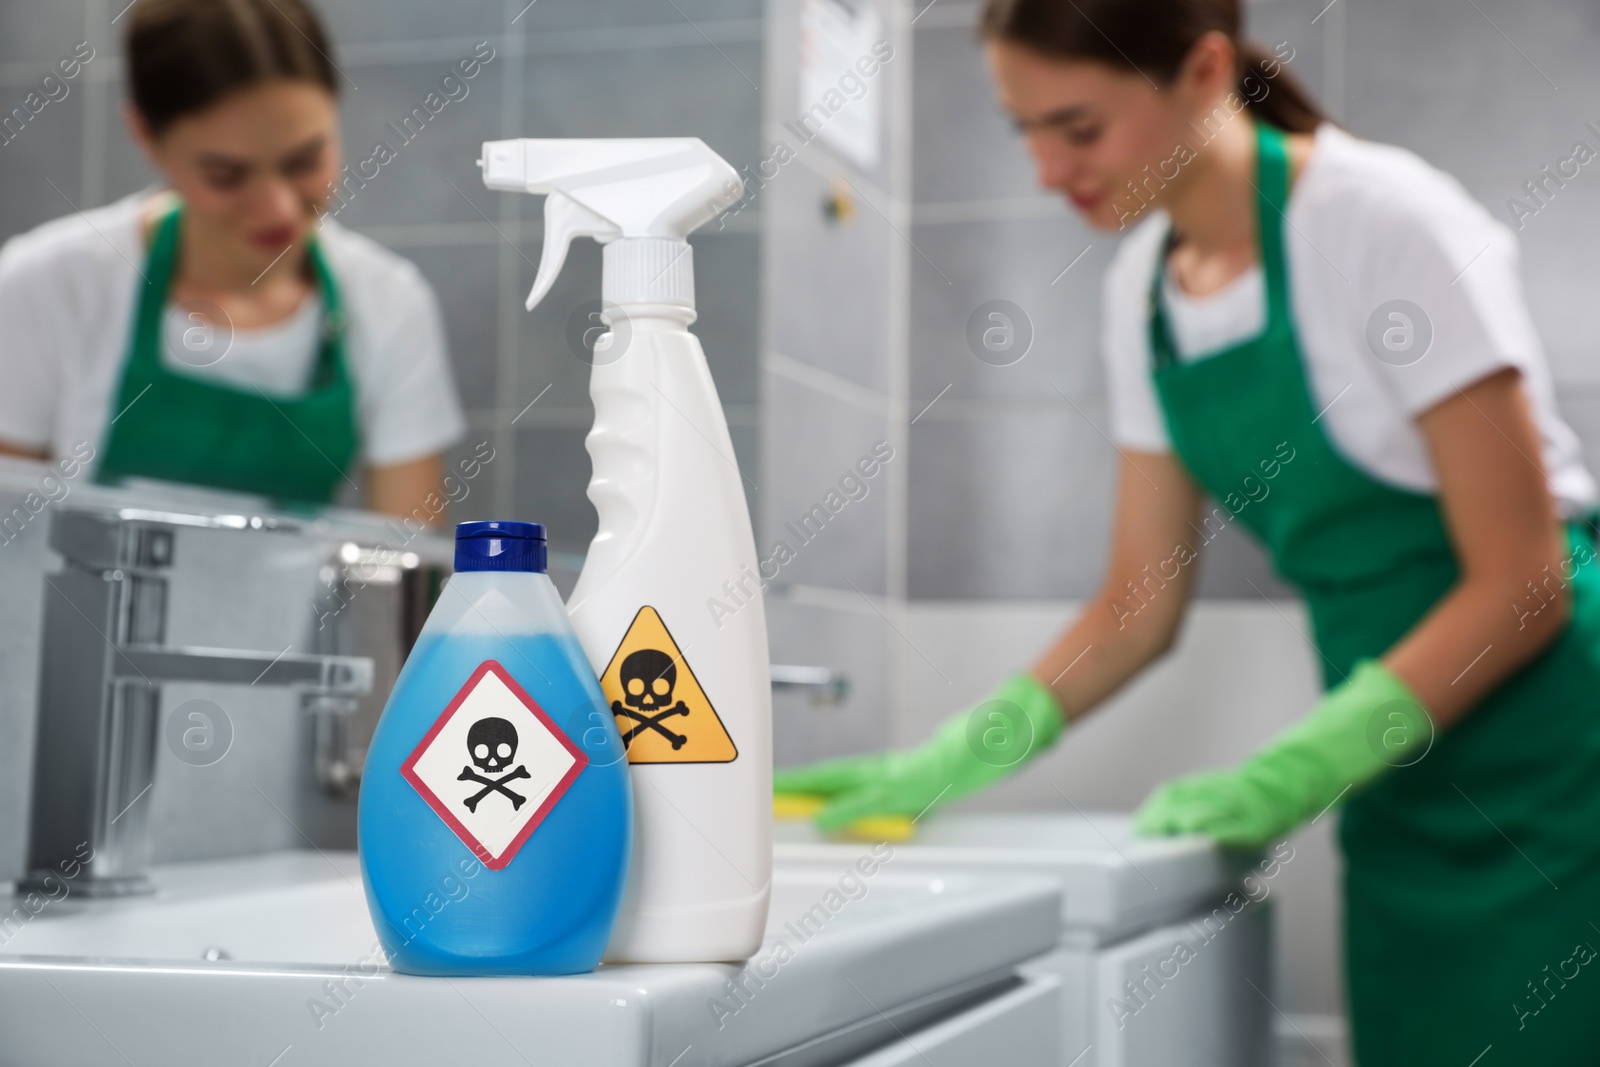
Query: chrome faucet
x=824, y=684
x=103, y=661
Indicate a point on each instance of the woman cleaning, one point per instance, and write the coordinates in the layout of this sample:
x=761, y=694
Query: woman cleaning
x=1327, y=338
x=208, y=330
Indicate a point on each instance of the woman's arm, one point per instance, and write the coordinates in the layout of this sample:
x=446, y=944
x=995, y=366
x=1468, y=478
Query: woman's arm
x=405, y=488
x=1135, y=616
x=1506, y=534
x=8, y=449
x=1117, y=634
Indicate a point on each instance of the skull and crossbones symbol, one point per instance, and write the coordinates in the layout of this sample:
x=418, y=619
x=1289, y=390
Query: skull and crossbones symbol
x=492, y=744
x=648, y=678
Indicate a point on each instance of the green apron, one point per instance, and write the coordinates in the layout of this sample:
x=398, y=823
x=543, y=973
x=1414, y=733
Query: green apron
x=1472, y=877
x=179, y=428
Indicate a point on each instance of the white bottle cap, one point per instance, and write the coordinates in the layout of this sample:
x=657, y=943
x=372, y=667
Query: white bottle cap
x=647, y=270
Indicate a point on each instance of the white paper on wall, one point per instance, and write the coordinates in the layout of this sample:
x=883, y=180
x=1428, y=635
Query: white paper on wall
x=838, y=104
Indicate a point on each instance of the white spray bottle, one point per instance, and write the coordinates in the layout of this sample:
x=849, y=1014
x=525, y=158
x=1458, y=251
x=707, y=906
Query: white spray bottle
x=687, y=678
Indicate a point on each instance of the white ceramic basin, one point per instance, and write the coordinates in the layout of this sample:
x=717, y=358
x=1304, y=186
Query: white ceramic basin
x=1113, y=881
x=272, y=960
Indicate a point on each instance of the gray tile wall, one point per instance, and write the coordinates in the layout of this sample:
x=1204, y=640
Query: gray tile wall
x=1520, y=94
x=833, y=384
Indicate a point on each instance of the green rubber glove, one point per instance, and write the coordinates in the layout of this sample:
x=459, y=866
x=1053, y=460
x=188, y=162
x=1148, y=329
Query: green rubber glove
x=1368, y=723
x=972, y=749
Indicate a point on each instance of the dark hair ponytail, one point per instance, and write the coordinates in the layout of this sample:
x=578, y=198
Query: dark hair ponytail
x=1153, y=37
x=184, y=55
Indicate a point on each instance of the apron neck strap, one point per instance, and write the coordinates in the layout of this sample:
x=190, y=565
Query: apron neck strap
x=1272, y=200
x=1272, y=196
x=159, y=262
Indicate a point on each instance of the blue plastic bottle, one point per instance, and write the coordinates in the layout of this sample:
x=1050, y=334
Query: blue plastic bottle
x=496, y=816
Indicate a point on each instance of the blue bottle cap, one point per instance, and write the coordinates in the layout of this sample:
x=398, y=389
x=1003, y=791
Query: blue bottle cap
x=501, y=546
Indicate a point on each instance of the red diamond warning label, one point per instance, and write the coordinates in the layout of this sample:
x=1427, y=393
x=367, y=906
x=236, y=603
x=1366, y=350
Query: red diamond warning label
x=493, y=765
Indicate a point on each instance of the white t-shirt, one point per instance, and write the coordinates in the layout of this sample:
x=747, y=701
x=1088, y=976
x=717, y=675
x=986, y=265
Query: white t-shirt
x=67, y=308
x=1367, y=224
x=272, y=358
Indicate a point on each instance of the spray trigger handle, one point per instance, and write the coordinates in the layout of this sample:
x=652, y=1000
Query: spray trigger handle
x=564, y=219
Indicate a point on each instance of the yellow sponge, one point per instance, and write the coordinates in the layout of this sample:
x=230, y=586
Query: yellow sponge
x=872, y=828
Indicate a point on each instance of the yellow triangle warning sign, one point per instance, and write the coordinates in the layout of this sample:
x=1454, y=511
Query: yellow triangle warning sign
x=662, y=713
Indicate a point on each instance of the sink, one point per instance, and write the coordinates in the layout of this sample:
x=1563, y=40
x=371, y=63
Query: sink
x=272, y=960
x=1114, y=882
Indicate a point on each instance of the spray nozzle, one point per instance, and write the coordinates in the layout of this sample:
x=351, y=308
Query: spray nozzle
x=646, y=194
